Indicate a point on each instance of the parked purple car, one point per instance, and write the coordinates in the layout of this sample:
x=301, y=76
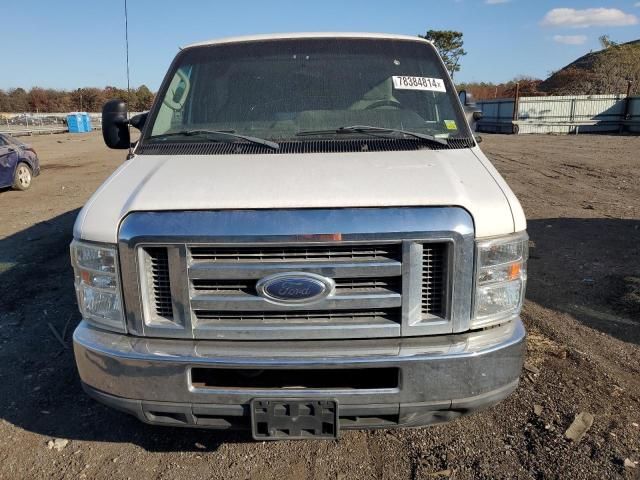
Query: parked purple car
x=18, y=163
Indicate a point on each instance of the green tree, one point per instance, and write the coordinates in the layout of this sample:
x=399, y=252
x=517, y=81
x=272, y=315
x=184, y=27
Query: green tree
x=144, y=99
x=38, y=100
x=18, y=100
x=114, y=92
x=59, y=100
x=89, y=99
x=449, y=43
x=5, y=104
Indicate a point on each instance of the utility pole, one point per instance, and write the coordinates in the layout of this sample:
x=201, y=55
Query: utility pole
x=516, y=110
x=626, y=116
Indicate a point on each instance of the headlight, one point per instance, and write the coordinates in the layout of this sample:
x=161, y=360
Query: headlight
x=501, y=277
x=98, y=285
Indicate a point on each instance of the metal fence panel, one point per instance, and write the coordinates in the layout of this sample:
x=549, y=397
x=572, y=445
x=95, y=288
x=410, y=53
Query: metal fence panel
x=561, y=114
x=497, y=116
x=634, y=114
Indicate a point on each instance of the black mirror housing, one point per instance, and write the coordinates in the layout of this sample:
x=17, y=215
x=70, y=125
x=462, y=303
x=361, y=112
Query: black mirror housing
x=138, y=121
x=115, y=130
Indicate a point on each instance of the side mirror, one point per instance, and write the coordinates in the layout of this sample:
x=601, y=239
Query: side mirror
x=471, y=109
x=466, y=99
x=115, y=131
x=138, y=121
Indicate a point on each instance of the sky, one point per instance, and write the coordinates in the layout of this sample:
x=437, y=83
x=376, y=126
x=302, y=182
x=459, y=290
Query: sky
x=70, y=43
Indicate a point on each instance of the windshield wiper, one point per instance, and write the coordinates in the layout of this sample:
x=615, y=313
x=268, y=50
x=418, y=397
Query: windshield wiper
x=207, y=133
x=371, y=129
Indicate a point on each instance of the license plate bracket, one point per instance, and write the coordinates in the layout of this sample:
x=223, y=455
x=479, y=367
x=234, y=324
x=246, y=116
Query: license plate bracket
x=294, y=418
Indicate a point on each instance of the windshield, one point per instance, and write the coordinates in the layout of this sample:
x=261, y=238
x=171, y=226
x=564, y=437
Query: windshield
x=304, y=89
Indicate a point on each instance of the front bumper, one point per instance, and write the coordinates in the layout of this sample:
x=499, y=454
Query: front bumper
x=441, y=377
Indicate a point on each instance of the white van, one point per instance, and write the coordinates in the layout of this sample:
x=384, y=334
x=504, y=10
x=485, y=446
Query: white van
x=306, y=238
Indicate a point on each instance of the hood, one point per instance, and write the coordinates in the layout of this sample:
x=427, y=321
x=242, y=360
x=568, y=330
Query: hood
x=462, y=178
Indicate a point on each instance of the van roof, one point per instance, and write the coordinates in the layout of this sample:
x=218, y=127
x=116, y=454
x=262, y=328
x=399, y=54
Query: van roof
x=282, y=36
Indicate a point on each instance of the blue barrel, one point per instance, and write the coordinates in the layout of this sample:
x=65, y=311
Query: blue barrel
x=75, y=123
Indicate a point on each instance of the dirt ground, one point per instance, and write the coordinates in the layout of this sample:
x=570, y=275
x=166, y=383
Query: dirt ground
x=582, y=197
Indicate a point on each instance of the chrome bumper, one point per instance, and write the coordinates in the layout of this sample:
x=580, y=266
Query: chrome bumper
x=442, y=377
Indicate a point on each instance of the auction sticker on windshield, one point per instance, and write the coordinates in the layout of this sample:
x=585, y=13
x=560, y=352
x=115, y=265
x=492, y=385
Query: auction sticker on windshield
x=419, y=83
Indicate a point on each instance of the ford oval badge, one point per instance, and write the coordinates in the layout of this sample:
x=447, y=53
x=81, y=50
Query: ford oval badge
x=295, y=287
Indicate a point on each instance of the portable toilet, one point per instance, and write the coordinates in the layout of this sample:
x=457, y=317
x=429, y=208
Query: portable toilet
x=86, y=122
x=75, y=123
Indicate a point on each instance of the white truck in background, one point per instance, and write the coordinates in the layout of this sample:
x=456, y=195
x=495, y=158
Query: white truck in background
x=306, y=238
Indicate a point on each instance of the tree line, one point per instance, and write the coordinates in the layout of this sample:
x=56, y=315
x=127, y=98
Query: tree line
x=90, y=99
x=527, y=87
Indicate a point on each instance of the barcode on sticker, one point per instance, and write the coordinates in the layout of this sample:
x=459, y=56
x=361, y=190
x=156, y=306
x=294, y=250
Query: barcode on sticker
x=419, y=83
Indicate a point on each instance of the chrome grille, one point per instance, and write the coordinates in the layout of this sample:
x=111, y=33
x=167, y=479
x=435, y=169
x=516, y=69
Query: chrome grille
x=367, y=297
x=396, y=272
x=433, y=279
x=367, y=291
x=158, y=264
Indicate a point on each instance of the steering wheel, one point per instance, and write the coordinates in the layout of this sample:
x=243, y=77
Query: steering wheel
x=384, y=103
x=169, y=101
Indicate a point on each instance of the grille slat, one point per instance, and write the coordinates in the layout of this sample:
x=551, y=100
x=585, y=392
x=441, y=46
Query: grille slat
x=300, y=316
x=161, y=286
x=343, y=285
x=433, y=279
x=333, y=269
x=301, y=254
x=224, y=287
x=256, y=303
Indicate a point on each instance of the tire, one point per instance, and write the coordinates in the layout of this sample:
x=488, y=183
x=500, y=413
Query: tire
x=22, y=177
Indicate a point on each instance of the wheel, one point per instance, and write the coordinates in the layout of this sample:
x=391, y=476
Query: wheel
x=22, y=177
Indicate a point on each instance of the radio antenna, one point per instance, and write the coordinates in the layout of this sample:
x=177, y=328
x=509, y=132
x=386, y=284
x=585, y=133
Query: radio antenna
x=126, y=42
